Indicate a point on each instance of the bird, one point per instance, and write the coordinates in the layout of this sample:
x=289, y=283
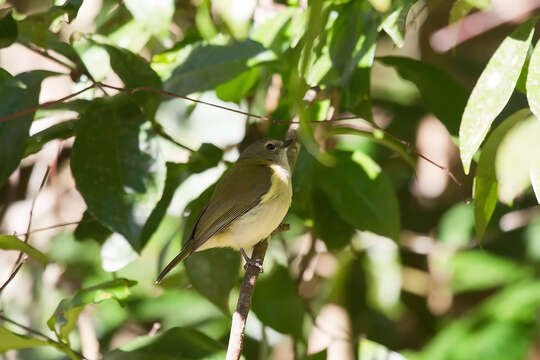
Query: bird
x=249, y=202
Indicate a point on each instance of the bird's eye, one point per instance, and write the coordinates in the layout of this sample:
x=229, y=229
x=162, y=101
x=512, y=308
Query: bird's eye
x=270, y=146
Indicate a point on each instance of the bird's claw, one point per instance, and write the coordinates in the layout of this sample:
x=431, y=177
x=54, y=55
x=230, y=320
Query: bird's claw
x=252, y=262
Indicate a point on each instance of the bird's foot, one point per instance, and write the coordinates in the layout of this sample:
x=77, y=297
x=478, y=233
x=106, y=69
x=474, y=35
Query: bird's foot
x=252, y=262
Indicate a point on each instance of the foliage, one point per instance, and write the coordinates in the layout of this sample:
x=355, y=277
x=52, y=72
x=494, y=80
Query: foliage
x=372, y=259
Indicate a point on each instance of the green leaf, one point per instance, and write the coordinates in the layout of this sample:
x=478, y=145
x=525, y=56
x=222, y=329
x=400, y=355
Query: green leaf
x=533, y=81
x=456, y=225
x=63, y=130
x=8, y=29
x=90, y=228
x=462, y=8
x=117, y=167
x=154, y=16
x=208, y=66
x=395, y=21
x=18, y=93
x=277, y=304
x=493, y=90
x=12, y=341
x=274, y=33
x=67, y=312
x=518, y=151
x=370, y=350
x=485, y=182
x=213, y=272
x=361, y=194
x=328, y=225
x=10, y=242
x=321, y=355
x=175, y=343
x=239, y=87
x=134, y=71
x=478, y=270
x=443, y=95
x=518, y=302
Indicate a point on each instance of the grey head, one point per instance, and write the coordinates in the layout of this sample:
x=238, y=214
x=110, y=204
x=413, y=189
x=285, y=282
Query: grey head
x=273, y=151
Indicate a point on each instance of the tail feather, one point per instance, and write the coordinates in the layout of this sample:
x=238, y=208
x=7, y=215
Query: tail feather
x=183, y=254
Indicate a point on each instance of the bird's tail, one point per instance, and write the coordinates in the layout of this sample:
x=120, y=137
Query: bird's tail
x=183, y=254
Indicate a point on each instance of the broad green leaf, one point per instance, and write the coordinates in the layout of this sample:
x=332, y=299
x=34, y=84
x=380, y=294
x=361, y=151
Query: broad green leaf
x=62, y=130
x=443, y=95
x=18, y=93
x=134, y=71
x=117, y=167
x=517, y=153
x=519, y=302
x=274, y=33
x=10, y=242
x=327, y=223
x=175, y=343
x=90, y=228
x=12, y=341
x=8, y=29
x=457, y=225
x=155, y=16
x=395, y=21
x=535, y=179
x=203, y=20
x=214, y=272
x=206, y=157
x=478, y=270
x=277, y=304
x=239, y=87
x=485, y=182
x=533, y=81
x=363, y=198
x=211, y=65
x=66, y=314
x=493, y=90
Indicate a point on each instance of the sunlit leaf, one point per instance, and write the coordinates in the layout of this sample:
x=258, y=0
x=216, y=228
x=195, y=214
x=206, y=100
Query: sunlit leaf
x=12, y=341
x=175, y=343
x=456, y=225
x=395, y=21
x=239, y=87
x=485, y=182
x=277, y=304
x=517, y=153
x=273, y=33
x=18, y=93
x=462, y=8
x=62, y=130
x=66, y=314
x=117, y=167
x=370, y=350
x=10, y=242
x=493, y=90
x=533, y=81
x=156, y=16
x=443, y=95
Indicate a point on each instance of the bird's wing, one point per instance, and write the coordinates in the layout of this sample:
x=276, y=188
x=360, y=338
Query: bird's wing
x=231, y=199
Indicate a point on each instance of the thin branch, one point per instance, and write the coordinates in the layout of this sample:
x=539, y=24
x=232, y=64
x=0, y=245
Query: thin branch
x=158, y=129
x=46, y=54
x=57, y=226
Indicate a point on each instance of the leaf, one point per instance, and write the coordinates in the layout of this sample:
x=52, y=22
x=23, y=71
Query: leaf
x=8, y=29
x=239, y=87
x=213, y=272
x=274, y=33
x=117, y=167
x=321, y=355
x=277, y=304
x=493, y=90
x=90, y=228
x=12, y=341
x=156, y=16
x=517, y=153
x=208, y=66
x=395, y=21
x=175, y=343
x=533, y=81
x=328, y=225
x=443, y=95
x=10, y=242
x=456, y=225
x=134, y=71
x=62, y=130
x=535, y=179
x=363, y=197
x=518, y=302
x=67, y=312
x=370, y=350
x=17, y=93
x=485, y=181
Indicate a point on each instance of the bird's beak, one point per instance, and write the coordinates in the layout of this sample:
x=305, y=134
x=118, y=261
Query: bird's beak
x=287, y=142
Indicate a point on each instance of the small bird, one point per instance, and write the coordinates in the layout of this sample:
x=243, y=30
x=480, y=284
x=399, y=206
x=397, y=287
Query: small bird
x=248, y=204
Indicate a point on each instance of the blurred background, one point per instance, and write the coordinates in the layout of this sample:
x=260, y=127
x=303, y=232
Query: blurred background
x=435, y=293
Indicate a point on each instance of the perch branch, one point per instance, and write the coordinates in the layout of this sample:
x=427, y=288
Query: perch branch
x=236, y=339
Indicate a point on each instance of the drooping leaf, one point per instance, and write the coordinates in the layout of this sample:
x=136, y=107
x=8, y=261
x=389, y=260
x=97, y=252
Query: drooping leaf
x=175, y=343
x=135, y=71
x=518, y=151
x=66, y=314
x=394, y=22
x=533, y=81
x=211, y=65
x=277, y=304
x=485, y=182
x=18, y=93
x=62, y=130
x=444, y=96
x=493, y=90
x=90, y=228
x=10, y=242
x=117, y=167
x=361, y=194
x=8, y=29
x=12, y=341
